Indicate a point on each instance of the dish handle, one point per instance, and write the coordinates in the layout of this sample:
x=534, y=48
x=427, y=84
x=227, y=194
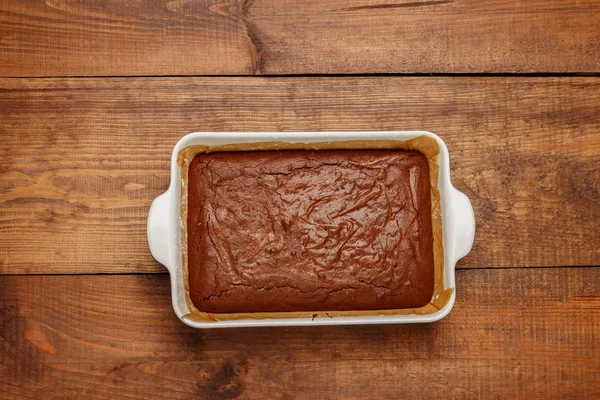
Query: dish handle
x=158, y=229
x=463, y=224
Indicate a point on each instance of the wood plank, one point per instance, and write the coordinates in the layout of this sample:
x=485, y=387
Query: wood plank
x=149, y=37
x=514, y=333
x=81, y=159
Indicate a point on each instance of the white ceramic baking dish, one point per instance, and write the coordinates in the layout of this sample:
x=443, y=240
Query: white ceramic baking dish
x=165, y=225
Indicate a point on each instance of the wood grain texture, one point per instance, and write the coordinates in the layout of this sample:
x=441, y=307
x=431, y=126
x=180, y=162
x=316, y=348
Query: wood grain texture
x=514, y=333
x=193, y=37
x=81, y=159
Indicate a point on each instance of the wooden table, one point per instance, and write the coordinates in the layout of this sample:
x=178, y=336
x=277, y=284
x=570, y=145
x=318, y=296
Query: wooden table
x=94, y=95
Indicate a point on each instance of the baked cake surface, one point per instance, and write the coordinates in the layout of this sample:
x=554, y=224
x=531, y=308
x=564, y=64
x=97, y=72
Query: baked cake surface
x=308, y=230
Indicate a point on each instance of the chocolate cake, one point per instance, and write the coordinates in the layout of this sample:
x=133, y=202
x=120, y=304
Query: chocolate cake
x=304, y=230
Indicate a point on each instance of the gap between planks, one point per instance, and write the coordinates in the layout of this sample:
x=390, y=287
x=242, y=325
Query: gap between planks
x=332, y=75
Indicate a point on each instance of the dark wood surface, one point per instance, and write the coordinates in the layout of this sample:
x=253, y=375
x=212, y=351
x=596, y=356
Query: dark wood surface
x=93, y=97
x=83, y=158
x=183, y=37
x=528, y=333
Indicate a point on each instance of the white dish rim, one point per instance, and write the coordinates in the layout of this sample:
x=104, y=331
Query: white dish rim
x=164, y=225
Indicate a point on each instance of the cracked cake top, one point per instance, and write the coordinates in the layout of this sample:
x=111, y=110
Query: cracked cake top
x=305, y=230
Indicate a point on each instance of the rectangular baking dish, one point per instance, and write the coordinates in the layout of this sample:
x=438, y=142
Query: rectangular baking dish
x=166, y=226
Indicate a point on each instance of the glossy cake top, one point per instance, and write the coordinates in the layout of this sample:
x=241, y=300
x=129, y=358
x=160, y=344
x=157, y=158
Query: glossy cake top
x=309, y=230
